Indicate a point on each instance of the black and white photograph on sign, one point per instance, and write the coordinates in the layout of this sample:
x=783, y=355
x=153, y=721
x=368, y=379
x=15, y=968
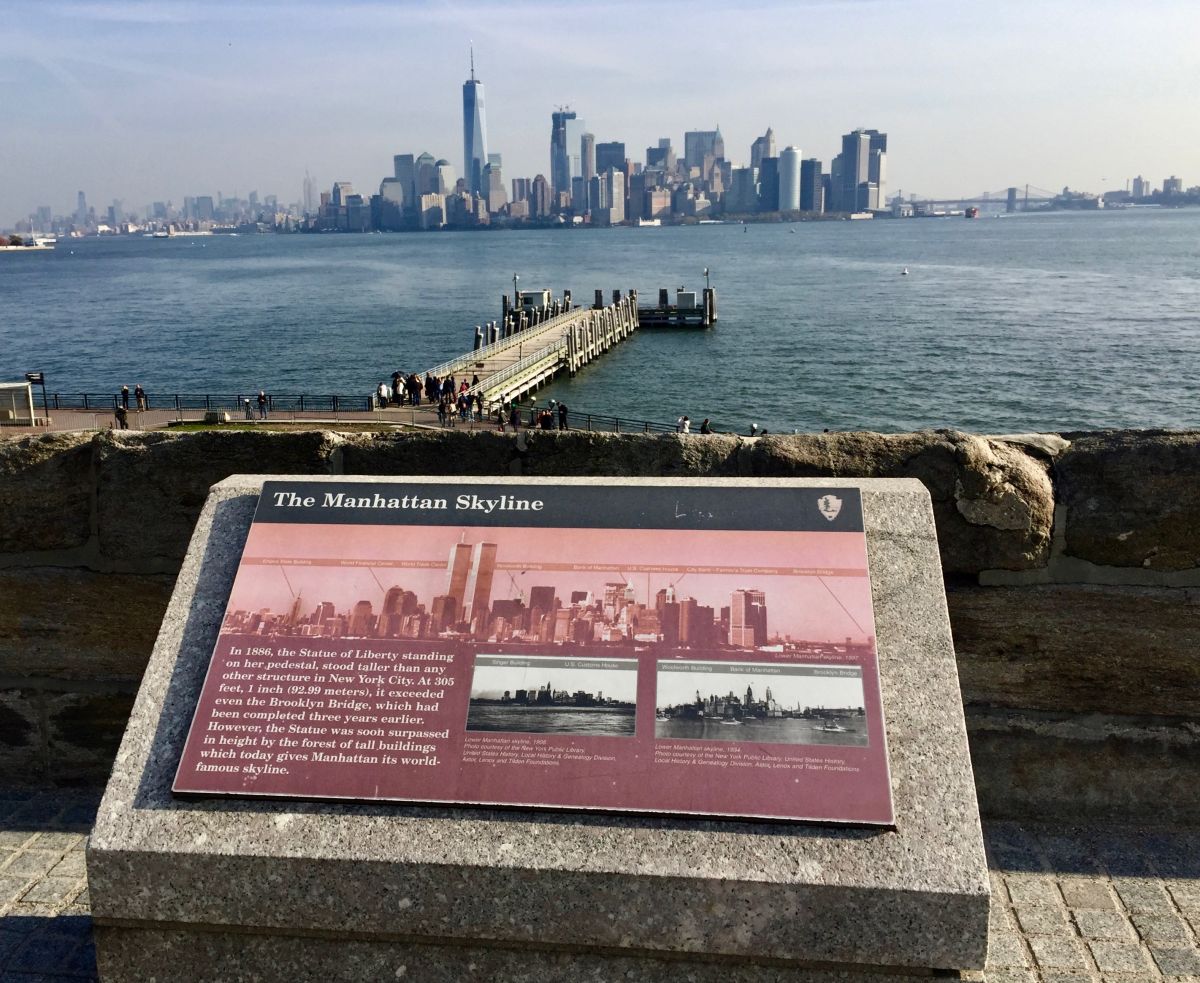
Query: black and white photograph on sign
x=553, y=695
x=770, y=703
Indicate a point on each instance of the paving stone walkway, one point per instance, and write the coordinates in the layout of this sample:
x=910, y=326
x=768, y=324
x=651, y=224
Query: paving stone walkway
x=1096, y=903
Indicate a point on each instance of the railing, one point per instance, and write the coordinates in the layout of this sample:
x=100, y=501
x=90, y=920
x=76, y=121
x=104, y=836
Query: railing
x=509, y=371
x=480, y=354
x=302, y=402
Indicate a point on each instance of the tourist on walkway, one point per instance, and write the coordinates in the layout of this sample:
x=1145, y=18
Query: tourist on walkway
x=249, y=410
x=754, y=430
x=705, y=426
x=384, y=394
x=262, y=404
x=441, y=411
x=431, y=388
x=125, y=397
x=683, y=425
x=139, y=394
x=514, y=416
x=414, y=389
x=562, y=416
x=122, y=418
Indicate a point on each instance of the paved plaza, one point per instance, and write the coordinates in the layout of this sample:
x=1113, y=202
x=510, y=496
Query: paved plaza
x=1094, y=903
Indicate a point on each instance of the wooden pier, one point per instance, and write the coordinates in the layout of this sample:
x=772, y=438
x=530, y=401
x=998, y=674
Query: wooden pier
x=537, y=338
x=690, y=309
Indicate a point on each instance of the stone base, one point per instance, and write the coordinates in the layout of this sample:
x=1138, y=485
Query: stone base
x=146, y=954
x=247, y=888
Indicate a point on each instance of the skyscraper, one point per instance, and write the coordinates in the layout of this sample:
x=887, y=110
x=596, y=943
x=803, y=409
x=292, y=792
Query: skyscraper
x=458, y=566
x=812, y=191
x=587, y=155
x=747, y=618
x=404, y=169
x=560, y=163
x=610, y=155
x=474, y=132
x=768, y=185
x=789, y=180
x=698, y=144
x=860, y=172
x=764, y=146
x=479, y=579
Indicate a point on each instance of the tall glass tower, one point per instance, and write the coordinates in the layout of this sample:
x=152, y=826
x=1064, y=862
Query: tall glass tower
x=474, y=132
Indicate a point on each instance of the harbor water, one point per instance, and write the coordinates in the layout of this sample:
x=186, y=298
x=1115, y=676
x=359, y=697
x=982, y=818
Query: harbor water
x=1057, y=321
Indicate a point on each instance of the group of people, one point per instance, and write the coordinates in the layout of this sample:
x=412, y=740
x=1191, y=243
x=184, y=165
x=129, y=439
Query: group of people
x=122, y=410
x=684, y=425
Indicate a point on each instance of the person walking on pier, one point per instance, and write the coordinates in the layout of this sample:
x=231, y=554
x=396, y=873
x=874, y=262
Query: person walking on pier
x=431, y=388
x=122, y=417
x=262, y=404
x=139, y=395
x=683, y=425
x=249, y=411
x=414, y=389
x=125, y=397
x=562, y=416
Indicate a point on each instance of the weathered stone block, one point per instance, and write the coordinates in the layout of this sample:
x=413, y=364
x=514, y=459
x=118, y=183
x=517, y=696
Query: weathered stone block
x=19, y=731
x=1131, y=498
x=434, y=452
x=660, y=455
x=45, y=492
x=151, y=486
x=1079, y=649
x=76, y=624
x=993, y=503
x=1058, y=767
x=84, y=731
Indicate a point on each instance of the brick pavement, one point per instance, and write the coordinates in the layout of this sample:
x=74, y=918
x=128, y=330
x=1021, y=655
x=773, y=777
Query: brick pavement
x=1102, y=904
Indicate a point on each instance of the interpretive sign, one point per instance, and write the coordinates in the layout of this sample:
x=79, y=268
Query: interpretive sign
x=642, y=648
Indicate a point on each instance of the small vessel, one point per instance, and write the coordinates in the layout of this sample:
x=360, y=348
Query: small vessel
x=829, y=727
x=904, y=272
x=731, y=723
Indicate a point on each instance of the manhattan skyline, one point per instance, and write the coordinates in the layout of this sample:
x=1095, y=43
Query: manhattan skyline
x=150, y=101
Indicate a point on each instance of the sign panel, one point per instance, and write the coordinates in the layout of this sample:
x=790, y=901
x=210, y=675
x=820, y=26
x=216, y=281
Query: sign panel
x=680, y=649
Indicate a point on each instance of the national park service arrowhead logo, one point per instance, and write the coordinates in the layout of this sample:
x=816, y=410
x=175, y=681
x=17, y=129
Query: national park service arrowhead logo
x=830, y=506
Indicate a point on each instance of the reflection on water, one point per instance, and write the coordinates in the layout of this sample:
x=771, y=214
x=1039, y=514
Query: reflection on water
x=590, y=721
x=785, y=730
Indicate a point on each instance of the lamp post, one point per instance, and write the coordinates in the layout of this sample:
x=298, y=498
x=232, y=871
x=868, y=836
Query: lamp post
x=516, y=296
x=706, y=284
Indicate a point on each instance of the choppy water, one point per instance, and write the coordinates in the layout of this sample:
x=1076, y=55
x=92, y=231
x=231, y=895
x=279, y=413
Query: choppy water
x=1060, y=321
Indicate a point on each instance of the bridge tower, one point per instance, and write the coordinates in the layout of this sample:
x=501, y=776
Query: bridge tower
x=1011, y=206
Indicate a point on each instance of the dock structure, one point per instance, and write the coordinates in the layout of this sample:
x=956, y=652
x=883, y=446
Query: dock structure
x=537, y=338
x=690, y=309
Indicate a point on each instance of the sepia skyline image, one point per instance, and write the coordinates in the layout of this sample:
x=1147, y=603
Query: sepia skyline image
x=741, y=590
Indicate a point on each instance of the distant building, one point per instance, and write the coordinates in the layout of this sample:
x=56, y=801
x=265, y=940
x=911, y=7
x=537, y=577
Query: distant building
x=789, y=180
x=561, y=146
x=1141, y=187
x=742, y=196
x=860, y=172
x=587, y=158
x=404, y=169
x=697, y=144
x=431, y=211
x=747, y=618
x=764, y=146
x=812, y=186
x=662, y=156
x=610, y=155
x=474, y=132
x=539, y=197
x=768, y=185
x=493, y=188
x=1171, y=186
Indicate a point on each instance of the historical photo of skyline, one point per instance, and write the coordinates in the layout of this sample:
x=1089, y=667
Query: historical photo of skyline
x=596, y=697
x=769, y=703
x=745, y=591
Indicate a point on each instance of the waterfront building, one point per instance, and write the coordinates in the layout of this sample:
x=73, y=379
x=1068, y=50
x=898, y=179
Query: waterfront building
x=768, y=185
x=657, y=203
x=1171, y=186
x=560, y=163
x=742, y=197
x=697, y=144
x=662, y=156
x=812, y=190
x=342, y=190
x=444, y=177
x=426, y=176
x=1141, y=187
x=404, y=169
x=587, y=160
x=764, y=146
x=612, y=212
x=493, y=187
x=789, y=180
x=539, y=197
x=747, y=618
x=474, y=132
x=861, y=164
x=609, y=155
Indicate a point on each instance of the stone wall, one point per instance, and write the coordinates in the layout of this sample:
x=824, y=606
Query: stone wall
x=1072, y=567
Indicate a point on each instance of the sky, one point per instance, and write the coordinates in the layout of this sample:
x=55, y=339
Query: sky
x=155, y=100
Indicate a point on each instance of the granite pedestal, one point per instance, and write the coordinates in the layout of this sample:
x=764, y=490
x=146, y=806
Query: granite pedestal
x=304, y=890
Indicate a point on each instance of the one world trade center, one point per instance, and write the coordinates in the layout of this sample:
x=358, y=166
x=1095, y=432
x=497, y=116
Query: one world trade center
x=474, y=132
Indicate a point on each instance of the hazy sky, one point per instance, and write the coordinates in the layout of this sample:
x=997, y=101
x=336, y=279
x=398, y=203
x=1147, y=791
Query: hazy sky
x=156, y=100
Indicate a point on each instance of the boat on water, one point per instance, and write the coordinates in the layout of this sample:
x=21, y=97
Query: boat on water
x=830, y=727
x=31, y=245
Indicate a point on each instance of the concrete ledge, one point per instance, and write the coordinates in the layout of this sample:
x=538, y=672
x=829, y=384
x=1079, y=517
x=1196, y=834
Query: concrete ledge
x=913, y=898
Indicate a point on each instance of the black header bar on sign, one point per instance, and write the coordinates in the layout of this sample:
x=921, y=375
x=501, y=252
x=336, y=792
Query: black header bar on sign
x=563, y=506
